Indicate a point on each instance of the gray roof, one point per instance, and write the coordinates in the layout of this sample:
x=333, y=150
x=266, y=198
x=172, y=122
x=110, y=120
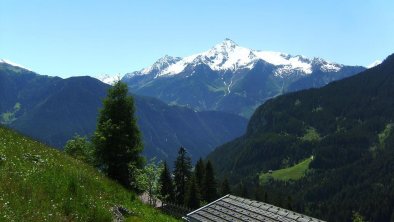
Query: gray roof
x=233, y=208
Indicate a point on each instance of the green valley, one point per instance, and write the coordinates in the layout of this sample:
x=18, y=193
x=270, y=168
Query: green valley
x=196, y=111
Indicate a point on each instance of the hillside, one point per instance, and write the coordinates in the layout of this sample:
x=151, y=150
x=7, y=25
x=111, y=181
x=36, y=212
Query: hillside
x=39, y=183
x=53, y=110
x=232, y=78
x=165, y=128
x=295, y=172
x=346, y=126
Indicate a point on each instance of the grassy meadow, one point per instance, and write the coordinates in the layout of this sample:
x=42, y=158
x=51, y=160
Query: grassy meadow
x=39, y=183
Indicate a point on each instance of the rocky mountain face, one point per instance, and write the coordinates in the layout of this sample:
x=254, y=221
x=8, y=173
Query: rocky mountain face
x=232, y=78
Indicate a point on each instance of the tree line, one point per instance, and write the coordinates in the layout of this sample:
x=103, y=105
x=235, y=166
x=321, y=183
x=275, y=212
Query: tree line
x=192, y=187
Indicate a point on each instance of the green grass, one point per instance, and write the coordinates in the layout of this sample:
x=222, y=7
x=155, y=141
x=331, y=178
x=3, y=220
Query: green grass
x=38, y=183
x=311, y=135
x=291, y=173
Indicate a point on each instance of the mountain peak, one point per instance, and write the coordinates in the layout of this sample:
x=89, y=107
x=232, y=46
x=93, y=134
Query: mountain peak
x=228, y=43
x=167, y=59
x=228, y=55
x=225, y=46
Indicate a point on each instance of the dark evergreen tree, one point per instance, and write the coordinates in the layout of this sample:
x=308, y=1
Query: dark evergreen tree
x=117, y=139
x=225, y=188
x=192, y=196
x=167, y=186
x=242, y=191
x=182, y=173
x=258, y=193
x=289, y=203
x=199, y=172
x=209, y=186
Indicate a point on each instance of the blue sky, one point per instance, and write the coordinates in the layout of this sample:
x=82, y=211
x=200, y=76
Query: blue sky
x=86, y=37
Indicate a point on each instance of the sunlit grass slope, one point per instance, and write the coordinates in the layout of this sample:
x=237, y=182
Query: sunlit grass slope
x=291, y=173
x=38, y=183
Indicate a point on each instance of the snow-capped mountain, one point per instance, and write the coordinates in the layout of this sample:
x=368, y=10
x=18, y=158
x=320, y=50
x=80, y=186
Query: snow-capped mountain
x=228, y=56
x=232, y=78
x=108, y=79
x=157, y=67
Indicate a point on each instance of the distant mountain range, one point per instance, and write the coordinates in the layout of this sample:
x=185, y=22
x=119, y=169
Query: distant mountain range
x=53, y=110
x=200, y=94
x=232, y=78
x=347, y=126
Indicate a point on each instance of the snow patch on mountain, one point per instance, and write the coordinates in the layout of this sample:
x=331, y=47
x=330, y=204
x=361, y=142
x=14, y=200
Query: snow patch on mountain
x=286, y=62
x=330, y=67
x=108, y=79
x=177, y=67
x=377, y=62
x=162, y=63
x=6, y=61
x=326, y=66
x=157, y=67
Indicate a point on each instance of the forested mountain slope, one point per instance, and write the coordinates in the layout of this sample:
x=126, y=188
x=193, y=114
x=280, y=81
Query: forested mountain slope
x=347, y=126
x=53, y=110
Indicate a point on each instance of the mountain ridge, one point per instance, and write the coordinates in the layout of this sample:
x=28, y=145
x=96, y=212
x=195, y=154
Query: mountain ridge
x=229, y=74
x=53, y=110
x=228, y=55
x=347, y=126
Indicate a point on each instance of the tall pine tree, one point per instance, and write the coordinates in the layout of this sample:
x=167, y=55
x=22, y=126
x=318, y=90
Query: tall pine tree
x=167, y=186
x=225, y=188
x=210, y=190
x=242, y=191
x=192, y=195
x=199, y=172
x=117, y=139
x=182, y=173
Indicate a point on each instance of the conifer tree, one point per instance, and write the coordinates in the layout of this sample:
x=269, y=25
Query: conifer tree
x=289, y=203
x=192, y=196
x=117, y=139
x=210, y=190
x=199, y=172
x=225, y=188
x=242, y=191
x=167, y=186
x=182, y=173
